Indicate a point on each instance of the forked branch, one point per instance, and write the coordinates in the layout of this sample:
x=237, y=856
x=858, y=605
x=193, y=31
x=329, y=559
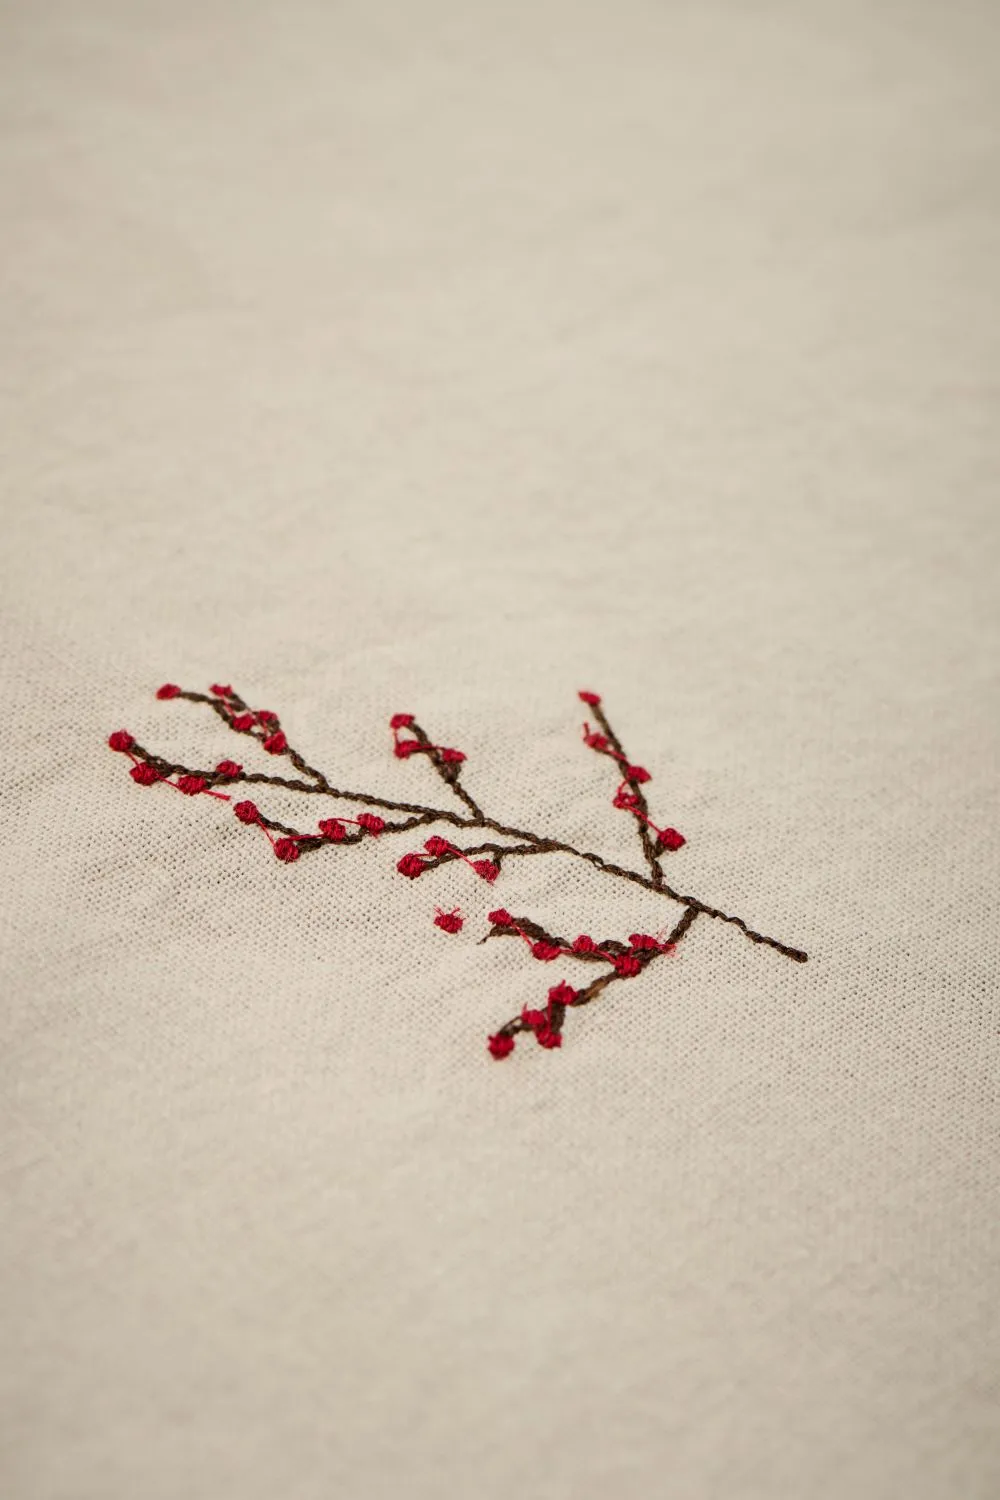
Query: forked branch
x=618, y=959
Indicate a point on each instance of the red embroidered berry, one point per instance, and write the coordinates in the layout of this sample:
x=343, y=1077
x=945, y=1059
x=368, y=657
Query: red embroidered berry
x=265, y=716
x=371, y=824
x=545, y=951
x=333, y=828
x=276, y=744
x=500, y=1045
x=546, y=1037
x=596, y=741
x=501, y=917
x=638, y=773
x=221, y=690
x=144, y=774
x=627, y=801
x=411, y=865
x=247, y=812
x=671, y=839
x=405, y=748
x=168, y=690
x=562, y=994
x=642, y=942
x=437, y=846
x=287, y=850
x=448, y=921
x=228, y=768
x=486, y=869
x=583, y=944
x=592, y=698
x=191, y=785
x=533, y=1018
x=241, y=723
x=453, y=757
x=121, y=740
x=627, y=965
x=400, y=721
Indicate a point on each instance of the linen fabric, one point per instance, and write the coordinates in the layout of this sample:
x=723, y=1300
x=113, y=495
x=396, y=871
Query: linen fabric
x=450, y=359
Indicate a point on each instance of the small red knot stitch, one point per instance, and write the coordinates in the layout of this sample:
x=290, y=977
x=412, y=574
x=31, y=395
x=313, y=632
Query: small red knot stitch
x=593, y=739
x=247, y=812
x=287, y=850
x=671, y=839
x=627, y=801
x=562, y=994
x=449, y=921
x=533, y=1018
x=639, y=774
x=265, y=716
x=411, y=865
x=221, y=690
x=545, y=951
x=545, y=1036
x=453, y=757
x=501, y=917
x=400, y=721
x=437, y=846
x=191, y=785
x=627, y=965
x=121, y=740
x=583, y=944
x=276, y=744
x=168, y=690
x=144, y=774
x=486, y=869
x=228, y=768
x=643, y=942
x=405, y=748
x=333, y=828
x=371, y=823
x=500, y=1045
x=592, y=698
x=241, y=723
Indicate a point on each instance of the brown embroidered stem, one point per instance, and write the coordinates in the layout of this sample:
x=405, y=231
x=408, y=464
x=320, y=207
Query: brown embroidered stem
x=641, y=813
x=288, y=784
x=623, y=960
x=449, y=770
x=498, y=851
x=262, y=734
x=312, y=840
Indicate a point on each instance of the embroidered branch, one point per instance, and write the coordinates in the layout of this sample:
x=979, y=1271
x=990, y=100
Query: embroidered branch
x=615, y=958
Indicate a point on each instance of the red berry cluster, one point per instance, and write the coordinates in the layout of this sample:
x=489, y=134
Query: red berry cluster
x=441, y=851
x=626, y=963
x=144, y=773
x=334, y=830
x=545, y=1025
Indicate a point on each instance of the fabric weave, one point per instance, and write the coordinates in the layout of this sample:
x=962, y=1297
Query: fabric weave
x=449, y=359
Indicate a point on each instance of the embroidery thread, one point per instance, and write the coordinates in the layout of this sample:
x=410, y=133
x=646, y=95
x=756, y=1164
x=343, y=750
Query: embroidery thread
x=618, y=960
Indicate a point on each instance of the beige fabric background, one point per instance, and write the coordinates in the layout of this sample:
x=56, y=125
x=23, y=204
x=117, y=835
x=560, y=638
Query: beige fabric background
x=452, y=357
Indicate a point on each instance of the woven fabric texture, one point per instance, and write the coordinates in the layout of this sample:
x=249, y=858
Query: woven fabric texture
x=452, y=358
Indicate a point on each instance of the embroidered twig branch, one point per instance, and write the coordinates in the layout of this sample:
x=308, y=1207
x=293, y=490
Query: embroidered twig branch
x=617, y=959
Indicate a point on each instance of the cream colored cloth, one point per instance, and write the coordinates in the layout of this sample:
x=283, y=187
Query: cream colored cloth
x=451, y=358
